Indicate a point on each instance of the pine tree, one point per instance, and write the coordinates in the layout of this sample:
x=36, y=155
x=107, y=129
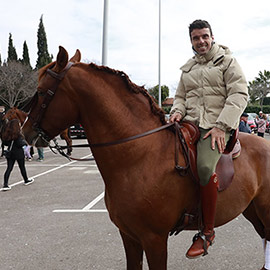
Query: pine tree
x=43, y=54
x=12, y=54
x=26, y=59
x=0, y=60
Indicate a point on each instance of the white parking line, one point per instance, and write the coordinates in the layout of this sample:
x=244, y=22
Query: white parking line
x=95, y=201
x=49, y=171
x=87, y=208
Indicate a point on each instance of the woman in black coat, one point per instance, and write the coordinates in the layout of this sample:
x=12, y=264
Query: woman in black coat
x=13, y=138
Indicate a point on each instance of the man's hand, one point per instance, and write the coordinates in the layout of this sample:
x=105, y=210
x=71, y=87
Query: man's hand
x=217, y=135
x=176, y=117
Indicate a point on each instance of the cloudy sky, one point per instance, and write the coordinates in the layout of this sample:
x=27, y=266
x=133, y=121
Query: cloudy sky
x=243, y=26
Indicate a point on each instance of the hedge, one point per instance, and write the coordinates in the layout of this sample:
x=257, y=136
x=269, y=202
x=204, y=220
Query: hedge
x=256, y=109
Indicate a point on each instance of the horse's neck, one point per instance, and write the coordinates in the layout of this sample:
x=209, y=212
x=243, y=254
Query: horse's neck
x=114, y=111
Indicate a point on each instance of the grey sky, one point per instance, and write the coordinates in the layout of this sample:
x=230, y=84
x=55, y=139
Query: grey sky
x=243, y=26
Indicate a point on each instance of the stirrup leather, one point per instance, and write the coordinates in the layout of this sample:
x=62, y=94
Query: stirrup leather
x=205, y=238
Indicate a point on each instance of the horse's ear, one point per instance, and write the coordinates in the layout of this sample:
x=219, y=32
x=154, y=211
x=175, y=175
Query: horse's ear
x=76, y=57
x=61, y=60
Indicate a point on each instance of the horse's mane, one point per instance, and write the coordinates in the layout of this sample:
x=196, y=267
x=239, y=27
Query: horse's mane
x=133, y=88
x=130, y=85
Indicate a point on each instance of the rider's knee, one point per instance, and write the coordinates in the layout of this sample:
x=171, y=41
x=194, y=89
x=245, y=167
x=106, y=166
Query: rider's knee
x=205, y=174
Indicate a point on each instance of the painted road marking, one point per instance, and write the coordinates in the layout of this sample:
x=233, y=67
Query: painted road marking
x=87, y=208
x=48, y=171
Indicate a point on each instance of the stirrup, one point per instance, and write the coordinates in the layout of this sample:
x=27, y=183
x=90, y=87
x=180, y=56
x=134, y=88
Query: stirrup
x=205, y=238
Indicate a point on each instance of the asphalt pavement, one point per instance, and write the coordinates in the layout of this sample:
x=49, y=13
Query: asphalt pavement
x=60, y=223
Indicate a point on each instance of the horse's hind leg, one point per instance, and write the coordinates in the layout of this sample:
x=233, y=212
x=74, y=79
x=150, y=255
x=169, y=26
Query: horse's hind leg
x=134, y=252
x=261, y=207
x=251, y=215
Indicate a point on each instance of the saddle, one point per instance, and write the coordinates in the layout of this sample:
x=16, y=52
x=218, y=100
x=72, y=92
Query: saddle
x=188, y=135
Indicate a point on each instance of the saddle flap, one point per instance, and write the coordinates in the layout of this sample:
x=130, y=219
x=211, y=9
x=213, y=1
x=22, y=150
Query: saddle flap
x=225, y=167
x=189, y=135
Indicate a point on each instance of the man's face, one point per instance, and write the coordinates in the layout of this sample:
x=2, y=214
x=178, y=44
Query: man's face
x=244, y=118
x=201, y=40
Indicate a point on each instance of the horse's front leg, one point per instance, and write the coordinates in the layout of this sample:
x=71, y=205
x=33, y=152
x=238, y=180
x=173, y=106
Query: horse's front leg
x=134, y=252
x=69, y=149
x=155, y=248
x=3, y=148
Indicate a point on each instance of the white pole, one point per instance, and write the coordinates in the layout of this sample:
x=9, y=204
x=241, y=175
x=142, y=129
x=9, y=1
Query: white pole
x=159, y=54
x=104, y=37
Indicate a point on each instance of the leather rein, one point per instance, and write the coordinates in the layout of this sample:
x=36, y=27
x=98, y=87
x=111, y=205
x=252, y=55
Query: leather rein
x=56, y=78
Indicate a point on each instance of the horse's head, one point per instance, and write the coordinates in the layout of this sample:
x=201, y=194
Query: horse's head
x=43, y=124
x=11, y=114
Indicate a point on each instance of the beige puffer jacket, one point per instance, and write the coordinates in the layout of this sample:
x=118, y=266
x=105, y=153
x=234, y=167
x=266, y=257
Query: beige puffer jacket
x=212, y=91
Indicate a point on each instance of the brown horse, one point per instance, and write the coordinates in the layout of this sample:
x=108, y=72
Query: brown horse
x=144, y=194
x=15, y=113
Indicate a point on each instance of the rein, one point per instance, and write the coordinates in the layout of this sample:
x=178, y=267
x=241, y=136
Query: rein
x=179, y=140
x=60, y=148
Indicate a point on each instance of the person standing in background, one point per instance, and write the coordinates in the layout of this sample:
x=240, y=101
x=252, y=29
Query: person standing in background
x=13, y=138
x=261, y=123
x=40, y=154
x=243, y=125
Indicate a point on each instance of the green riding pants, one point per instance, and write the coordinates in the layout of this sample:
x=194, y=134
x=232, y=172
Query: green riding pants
x=206, y=157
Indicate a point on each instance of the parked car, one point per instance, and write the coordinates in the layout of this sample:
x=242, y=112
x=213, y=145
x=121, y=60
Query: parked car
x=77, y=131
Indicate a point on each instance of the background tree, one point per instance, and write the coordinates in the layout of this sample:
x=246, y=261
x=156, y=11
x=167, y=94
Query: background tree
x=259, y=88
x=12, y=54
x=154, y=92
x=43, y=55
x=17, y=83
x=25, y=57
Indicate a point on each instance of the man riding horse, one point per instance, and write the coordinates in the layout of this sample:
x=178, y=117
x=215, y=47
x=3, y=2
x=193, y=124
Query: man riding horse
x=212, y=93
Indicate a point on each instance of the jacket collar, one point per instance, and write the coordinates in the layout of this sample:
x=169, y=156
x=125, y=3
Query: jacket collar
x=207, y=57
x=216, y=54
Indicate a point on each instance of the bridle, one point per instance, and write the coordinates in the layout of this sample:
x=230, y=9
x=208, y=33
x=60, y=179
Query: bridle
x=54, y=81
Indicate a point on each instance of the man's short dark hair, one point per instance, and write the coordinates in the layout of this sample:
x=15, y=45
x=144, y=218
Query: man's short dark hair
x=199, y=24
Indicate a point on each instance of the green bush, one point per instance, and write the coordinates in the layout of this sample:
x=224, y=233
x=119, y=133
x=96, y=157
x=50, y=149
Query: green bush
x=257, y=108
